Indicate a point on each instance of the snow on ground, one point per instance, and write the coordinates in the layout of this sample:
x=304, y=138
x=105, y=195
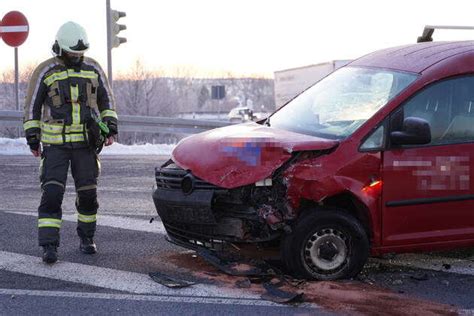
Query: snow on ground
x=18, y=146
x=145, y=149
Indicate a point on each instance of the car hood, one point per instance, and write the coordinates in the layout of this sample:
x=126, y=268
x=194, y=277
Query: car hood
x=238, y=155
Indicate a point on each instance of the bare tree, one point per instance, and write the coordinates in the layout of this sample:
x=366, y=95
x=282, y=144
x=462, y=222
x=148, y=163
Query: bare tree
x=203, y=96
x=134, y=92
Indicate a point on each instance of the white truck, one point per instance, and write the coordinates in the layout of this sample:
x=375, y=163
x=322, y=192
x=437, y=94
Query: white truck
x=290, y=82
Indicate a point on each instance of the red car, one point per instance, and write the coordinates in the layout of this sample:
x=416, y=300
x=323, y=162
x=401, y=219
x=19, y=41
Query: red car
x=377, y=157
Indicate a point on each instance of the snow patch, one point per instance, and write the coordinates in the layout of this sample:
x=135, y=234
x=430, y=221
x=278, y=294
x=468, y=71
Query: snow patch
x=18, y=146
x=15, y=146
x=145, y=149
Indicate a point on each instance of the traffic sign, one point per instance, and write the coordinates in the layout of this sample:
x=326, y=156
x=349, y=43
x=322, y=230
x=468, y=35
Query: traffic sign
x=14, y=28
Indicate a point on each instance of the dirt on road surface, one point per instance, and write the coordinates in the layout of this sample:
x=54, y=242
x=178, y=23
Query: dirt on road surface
x=351, y=297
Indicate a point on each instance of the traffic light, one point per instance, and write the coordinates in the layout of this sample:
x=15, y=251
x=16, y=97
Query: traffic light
x=113, y=29
x=116, y=28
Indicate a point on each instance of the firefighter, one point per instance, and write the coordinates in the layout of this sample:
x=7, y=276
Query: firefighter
x=64, y=94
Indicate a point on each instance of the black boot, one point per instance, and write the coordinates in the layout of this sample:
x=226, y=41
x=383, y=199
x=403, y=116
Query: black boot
x=88, y=246
x=50, y=254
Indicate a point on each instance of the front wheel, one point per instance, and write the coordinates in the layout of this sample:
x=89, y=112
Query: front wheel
x=325, y=244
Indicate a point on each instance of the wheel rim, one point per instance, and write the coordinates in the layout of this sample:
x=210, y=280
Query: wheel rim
x=326, y=251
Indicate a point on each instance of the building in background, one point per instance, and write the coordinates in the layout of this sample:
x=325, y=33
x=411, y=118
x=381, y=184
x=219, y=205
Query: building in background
x=290, y=82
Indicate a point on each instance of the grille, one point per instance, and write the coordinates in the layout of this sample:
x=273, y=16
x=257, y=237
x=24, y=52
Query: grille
x=198, y=236
x=199, y=232
x=170, y=177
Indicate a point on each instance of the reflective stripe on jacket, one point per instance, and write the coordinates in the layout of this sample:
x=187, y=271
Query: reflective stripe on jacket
x=58, y=98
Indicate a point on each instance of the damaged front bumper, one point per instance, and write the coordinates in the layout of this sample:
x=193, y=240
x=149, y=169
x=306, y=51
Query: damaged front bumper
x=199, y=214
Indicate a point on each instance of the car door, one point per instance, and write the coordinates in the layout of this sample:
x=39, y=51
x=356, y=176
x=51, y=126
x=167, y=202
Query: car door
x=428, y=190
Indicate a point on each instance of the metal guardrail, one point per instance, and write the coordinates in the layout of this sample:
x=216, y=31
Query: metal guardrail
x=131, y=123
x=11, y=118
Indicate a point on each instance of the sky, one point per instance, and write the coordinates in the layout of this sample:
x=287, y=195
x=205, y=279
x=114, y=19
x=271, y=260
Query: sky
x=244, y=37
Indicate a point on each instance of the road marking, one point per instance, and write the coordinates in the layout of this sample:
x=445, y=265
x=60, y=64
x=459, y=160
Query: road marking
x=435, y=263
x=119, y=280
x=152, y=298
x=102, y=211
x=71, y=189
x=142, y=225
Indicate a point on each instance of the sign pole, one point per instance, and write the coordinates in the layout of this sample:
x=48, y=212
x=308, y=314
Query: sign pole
x=17, y=99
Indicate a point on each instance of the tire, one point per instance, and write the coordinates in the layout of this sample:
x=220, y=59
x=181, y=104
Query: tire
x=325, y=244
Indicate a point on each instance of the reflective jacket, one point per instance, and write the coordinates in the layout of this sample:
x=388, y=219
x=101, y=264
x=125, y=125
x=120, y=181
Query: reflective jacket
x=57, y=101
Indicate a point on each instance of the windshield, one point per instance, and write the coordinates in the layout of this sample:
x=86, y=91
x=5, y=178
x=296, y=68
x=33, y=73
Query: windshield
x=340, y=103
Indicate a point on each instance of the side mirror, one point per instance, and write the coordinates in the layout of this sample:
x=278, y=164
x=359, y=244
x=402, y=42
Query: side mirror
x=416, y=131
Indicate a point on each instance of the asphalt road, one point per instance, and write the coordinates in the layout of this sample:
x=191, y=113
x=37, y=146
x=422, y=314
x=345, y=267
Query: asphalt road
x=116, y=279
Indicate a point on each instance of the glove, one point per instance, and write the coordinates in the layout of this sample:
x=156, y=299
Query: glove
x=34, y=146
x=94, y=136
x=112, y=125
x=33, y=140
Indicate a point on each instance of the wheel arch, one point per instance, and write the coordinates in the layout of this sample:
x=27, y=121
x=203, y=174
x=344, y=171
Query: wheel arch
x=347, y=202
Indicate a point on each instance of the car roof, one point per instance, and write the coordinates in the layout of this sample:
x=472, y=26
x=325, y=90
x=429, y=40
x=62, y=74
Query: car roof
x=415, y=57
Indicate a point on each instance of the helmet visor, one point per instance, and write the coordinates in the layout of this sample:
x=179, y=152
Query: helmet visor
x=80, y=47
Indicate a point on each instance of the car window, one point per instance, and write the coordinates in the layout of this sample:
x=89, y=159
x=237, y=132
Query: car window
x=448, y=106
x=374, y=141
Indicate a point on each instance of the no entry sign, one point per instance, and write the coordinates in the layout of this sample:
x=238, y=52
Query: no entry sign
x=14, y=28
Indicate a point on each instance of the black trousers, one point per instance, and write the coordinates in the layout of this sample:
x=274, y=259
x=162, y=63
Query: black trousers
x=53, y=175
